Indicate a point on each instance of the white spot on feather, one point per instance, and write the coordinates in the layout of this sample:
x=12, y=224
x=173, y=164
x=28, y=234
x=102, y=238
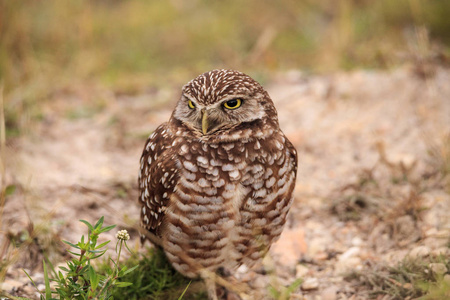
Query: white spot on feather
x=260, y=193
x=227, y=167
x=270, y=182
x=184, y=149
x=203, y=160
x=234, y=174
x=190, y=166
x=203, y=183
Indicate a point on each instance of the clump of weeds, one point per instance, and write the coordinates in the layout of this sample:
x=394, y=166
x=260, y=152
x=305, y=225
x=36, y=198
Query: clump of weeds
x=413, y=278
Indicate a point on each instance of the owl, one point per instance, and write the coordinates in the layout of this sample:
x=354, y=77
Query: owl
x=216, y=181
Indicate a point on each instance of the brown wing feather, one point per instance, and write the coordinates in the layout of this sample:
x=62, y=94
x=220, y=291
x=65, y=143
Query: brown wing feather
x=157, y=178
x=271, y=180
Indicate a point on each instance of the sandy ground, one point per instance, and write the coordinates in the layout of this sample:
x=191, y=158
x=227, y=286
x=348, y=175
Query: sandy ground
x=369, y=190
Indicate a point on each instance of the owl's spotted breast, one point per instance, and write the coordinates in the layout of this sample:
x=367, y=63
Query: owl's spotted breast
x=218, y=204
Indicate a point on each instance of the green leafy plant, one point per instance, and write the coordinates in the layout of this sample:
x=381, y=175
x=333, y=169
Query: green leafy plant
x=155, y=278
x=81, y=280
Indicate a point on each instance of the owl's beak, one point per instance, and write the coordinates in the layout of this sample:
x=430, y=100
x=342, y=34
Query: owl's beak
x=204, y=121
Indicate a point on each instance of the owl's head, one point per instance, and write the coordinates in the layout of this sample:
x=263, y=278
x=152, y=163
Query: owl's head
x=221, y=100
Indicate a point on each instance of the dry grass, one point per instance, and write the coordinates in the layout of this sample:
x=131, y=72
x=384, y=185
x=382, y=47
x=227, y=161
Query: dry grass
x=390, y=196
x=410, y=279
x=75, y=47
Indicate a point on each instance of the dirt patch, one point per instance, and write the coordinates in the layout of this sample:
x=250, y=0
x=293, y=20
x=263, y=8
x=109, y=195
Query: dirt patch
x=371, y=185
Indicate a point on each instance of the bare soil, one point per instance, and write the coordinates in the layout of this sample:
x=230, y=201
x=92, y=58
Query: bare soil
x=371, y=188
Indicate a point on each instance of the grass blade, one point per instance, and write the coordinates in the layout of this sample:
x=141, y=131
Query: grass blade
x=182, y=295
x=32, y=281
x=48, y=291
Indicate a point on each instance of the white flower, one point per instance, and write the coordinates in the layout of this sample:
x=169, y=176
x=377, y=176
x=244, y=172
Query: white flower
x=123, y=235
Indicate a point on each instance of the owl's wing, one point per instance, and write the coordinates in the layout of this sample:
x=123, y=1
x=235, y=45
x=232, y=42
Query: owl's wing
x=270, y=181
x=270, y=176
x=157, y=178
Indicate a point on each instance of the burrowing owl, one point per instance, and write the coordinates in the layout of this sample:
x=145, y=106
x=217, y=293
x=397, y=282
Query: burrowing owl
x=217, y=180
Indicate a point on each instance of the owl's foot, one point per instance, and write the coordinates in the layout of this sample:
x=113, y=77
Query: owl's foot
x=224, y=294
x=220, y=288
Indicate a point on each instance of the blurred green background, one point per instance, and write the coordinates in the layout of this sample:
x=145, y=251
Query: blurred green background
x=128, y=46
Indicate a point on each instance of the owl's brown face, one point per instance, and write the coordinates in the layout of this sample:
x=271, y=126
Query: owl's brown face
x=221, y=100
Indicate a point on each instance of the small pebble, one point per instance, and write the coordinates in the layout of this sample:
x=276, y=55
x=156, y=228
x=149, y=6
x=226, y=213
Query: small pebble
x=404, y=159
x=441, y=251
x=232, y=296
x=259, y=283
x=301, y=271
x=242, y=269
x=350, y=263
x=431, y=232
x=419, y=252
x=30, y=290
x=447, y=278
x=352, y=251
x=438, y=268
x=9, y=284
x=310, y=284
x=38, y=276
x=330, y=293
x=357, y=241
x=321, y=256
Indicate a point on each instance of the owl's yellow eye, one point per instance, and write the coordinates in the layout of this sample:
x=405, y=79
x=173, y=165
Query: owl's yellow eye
x=233, y=103
x=191, y=104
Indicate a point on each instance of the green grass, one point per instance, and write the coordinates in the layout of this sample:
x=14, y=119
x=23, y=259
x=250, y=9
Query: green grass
x=155, y=278
x=88, y=272
x=78, y=279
